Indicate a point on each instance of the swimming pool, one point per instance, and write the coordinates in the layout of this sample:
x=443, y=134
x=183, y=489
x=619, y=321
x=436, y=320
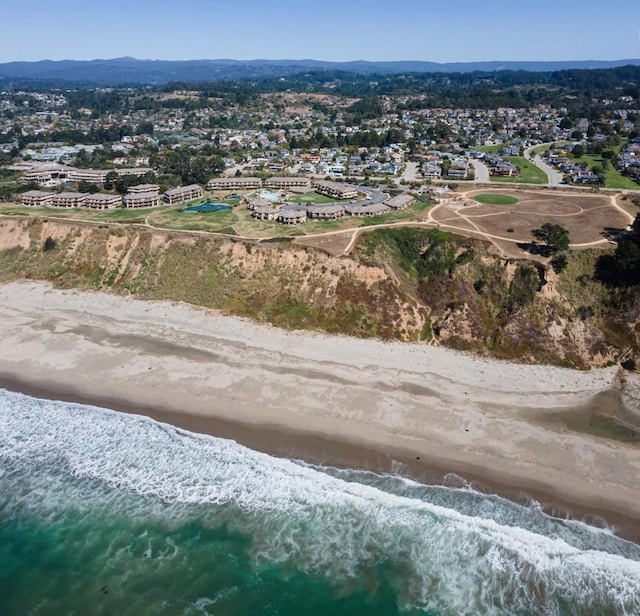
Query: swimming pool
x=270, y=196
x=207, y=207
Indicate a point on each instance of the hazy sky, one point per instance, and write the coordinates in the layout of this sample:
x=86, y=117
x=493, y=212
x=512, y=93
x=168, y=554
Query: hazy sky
x=435, y=30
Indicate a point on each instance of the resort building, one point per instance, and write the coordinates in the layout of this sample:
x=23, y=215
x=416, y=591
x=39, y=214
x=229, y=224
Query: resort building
x=332, y=211
x=45, y=175
x=69, y=199
x=265, y=212
x=136, y=200
x=101, y=201
x=282, y=182
x=36, y=198
x=51, y=174
x=92, y=176
x=132, y=171
x=373, y=209
x=183, y=193
x=239, y=183
x=336, y=190
x=291, y=217
x=400, y=202
x=144, y=188
x=259, y=202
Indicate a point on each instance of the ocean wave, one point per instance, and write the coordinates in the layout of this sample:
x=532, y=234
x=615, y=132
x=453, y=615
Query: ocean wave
x=451, y=550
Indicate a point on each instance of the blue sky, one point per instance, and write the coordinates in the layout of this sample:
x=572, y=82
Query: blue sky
x=439, y=31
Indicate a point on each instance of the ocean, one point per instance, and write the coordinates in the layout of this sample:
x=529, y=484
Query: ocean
x=108, y=513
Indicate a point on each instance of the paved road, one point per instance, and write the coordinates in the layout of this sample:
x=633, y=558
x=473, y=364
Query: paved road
x=482, y=172
x=555, y=177
x=410, y=173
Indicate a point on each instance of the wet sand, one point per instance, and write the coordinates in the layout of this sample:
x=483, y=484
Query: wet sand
x=419, y=411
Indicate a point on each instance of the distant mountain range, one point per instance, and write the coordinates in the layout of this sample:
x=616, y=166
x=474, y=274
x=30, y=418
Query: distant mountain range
x=130, y=71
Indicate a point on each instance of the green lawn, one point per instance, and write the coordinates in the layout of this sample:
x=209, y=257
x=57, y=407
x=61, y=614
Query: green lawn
x=173, y=218
x=311, y=197
x=496, y=199
x=116, y=215
x=218, y=222
x=530, y=174
x=547, y=146
x=491, y=149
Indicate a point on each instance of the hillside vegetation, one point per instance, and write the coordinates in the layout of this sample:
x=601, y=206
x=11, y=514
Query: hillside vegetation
x=403, y=284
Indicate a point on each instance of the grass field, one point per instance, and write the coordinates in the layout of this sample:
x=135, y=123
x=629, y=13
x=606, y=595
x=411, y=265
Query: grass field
x=311, y=198
x=613, y=178
x=496, y=199
x=117, y=215
x=547, y=146
x=172, y=218
x=530, y=174
x=238, y=220
x=491, y=149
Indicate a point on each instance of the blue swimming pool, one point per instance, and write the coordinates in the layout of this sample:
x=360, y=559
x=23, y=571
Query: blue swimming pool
x=207, y=207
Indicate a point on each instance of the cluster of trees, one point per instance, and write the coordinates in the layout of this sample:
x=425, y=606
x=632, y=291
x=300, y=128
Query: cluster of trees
x=189, y=167
x=554, y=243
x=622, y=269
x=474, y=89
x=122, y=183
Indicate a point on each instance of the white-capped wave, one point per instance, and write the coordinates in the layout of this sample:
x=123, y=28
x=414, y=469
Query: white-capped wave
x=468, y=561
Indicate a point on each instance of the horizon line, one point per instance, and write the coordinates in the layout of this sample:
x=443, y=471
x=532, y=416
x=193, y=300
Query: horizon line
x=248, y=60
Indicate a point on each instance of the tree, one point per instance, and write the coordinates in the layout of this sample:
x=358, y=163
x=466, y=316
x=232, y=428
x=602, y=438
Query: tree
x=554, y=237
x=49, y=244
x=559, y=262
x=110, y=180
x=523, y=288
x=623, y=267
x=578, y=151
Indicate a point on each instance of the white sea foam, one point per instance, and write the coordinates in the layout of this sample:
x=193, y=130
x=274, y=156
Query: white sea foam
x=456, y=552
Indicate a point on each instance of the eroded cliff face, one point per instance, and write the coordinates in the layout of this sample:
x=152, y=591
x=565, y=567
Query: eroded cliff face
x=279, y=283
x=440, y=289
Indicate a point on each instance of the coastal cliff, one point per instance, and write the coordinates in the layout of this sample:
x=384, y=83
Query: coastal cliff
x=403, y=284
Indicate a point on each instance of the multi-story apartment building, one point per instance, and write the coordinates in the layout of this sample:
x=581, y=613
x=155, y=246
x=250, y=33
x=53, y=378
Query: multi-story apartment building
x=144, y=188
x=234, y=183
x=137, y=200
x=36, y=198
x=288, y=182
x=101, y=201
x=183, y=193
x=69, y=199
x=336, y=190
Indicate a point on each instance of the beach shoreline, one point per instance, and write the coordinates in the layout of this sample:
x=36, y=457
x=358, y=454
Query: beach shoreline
x=417, y=411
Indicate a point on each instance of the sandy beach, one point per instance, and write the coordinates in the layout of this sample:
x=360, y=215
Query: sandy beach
x=332, y=399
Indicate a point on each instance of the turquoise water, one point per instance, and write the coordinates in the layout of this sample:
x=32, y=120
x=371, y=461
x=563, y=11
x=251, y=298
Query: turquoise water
x=108, y=513
x=207, y=207
x=270, y=196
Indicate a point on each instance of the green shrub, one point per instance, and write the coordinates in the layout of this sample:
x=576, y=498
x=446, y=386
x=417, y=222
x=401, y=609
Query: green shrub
x=49, y=244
